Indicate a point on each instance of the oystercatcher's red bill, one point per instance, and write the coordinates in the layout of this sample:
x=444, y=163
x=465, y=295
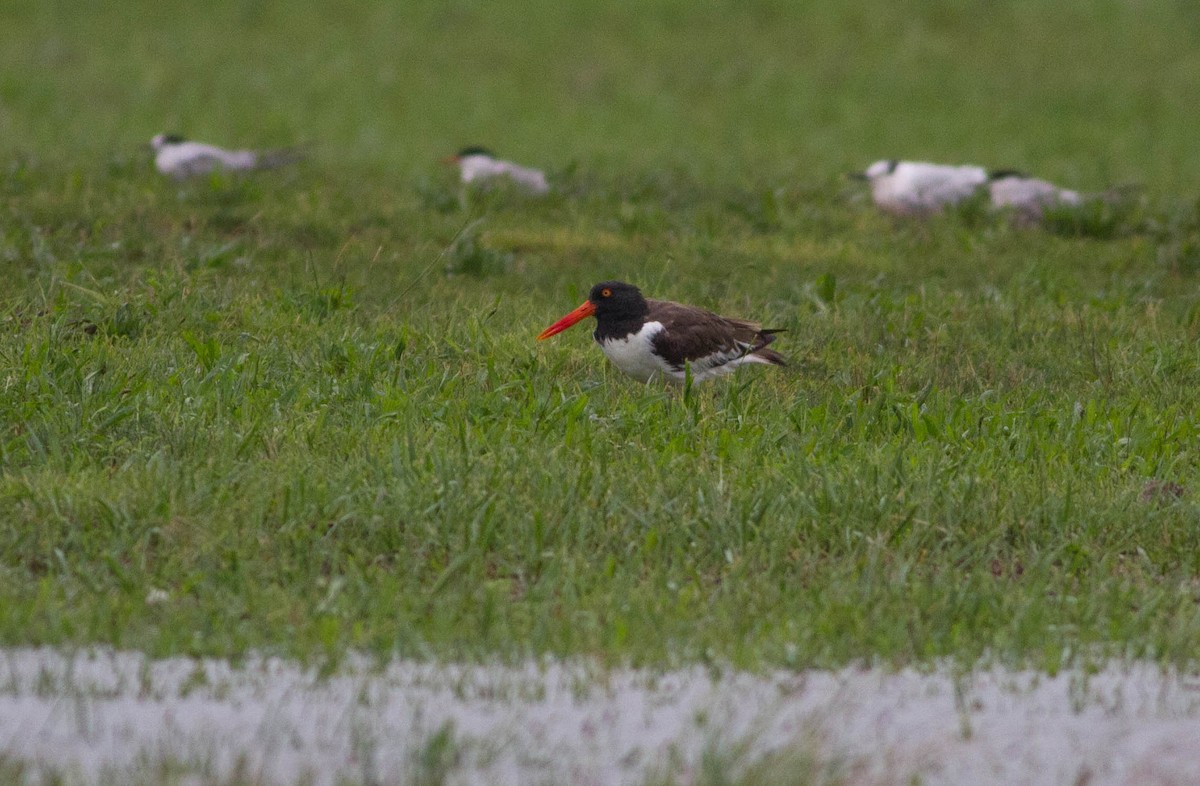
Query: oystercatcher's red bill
x=583, y=312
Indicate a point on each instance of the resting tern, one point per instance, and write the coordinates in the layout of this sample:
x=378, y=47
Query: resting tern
x=477, y=165
x=181, y=158
x=907, y=188
x=920, y=188
x=1027, y=196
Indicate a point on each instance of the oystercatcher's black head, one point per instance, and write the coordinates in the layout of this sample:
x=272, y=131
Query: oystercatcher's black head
x=617, y=300
x=610, y=302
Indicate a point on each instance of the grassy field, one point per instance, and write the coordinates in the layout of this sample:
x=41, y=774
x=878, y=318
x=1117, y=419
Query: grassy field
x=304, y=412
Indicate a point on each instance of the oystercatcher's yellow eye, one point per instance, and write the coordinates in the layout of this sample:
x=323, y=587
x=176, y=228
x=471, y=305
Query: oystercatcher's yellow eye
x=606, y=292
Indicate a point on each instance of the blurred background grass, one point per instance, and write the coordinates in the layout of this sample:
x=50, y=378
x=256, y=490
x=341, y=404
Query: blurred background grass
x=1089, y=92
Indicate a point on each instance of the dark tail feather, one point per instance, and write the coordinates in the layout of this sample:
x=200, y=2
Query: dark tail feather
x=769, y=355
x=272, y=159
x=1000, y=174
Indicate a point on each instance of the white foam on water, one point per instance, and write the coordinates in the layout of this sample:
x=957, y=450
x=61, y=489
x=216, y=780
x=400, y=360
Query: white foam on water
x=118, y=716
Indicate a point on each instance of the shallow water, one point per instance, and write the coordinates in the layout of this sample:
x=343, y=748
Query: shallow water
x=121, y=717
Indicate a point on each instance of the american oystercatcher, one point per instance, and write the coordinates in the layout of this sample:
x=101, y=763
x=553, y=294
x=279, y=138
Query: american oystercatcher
x=180, y=158
x=657, y=338
x=908, y=188
x=478, y=165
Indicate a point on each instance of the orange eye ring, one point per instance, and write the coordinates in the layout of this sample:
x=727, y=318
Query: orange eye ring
x=606, y=292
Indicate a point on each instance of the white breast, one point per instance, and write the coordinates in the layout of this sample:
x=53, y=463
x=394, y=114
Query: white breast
x=635, y=356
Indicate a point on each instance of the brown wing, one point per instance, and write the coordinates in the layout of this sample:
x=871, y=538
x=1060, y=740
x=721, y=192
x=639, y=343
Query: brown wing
x=704, y=339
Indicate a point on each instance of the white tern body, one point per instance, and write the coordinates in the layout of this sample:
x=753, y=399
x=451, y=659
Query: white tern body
x=478, y=168
x=182, y=158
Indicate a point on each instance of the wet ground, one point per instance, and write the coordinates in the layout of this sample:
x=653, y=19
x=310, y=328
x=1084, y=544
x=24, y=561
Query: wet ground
x=120, y=717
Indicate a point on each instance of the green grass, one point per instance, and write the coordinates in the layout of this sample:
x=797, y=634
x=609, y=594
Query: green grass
x=308, y=406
